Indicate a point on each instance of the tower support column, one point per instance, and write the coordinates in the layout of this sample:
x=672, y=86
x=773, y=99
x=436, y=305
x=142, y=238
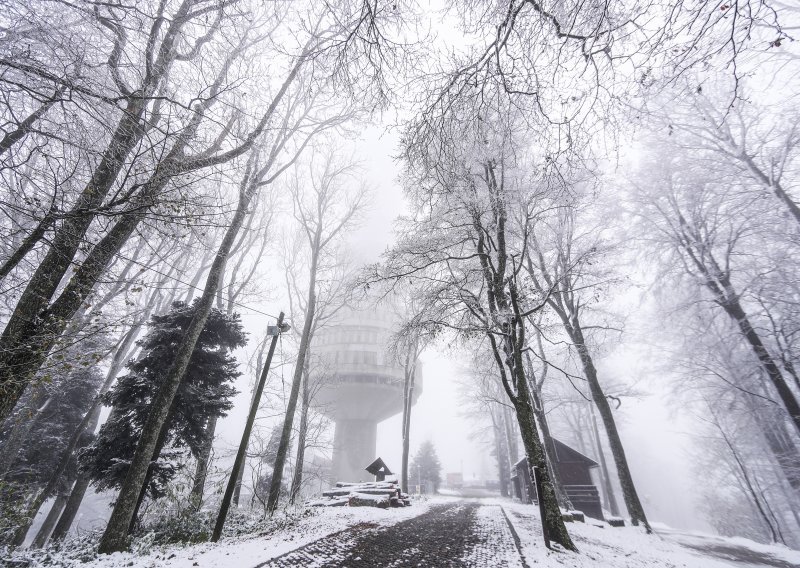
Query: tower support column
x=355, y=444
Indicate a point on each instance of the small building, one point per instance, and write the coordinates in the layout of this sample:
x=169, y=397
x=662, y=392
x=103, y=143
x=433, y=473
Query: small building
x=455, y=480
x=574, y=470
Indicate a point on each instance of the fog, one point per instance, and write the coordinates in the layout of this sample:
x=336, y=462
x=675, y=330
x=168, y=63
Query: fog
x=526, y=253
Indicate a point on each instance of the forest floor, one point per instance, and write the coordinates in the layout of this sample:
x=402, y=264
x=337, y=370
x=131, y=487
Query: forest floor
x=447, y=532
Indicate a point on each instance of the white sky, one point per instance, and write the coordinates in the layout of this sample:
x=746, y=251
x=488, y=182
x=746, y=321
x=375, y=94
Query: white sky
x=656, y=442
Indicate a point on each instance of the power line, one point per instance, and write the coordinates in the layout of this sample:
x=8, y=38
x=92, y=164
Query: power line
x=190, y=285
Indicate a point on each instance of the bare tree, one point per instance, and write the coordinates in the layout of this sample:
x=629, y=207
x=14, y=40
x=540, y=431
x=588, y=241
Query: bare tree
x=461, y=249
x=708, y=232
x=561, y=273
x=324, y=211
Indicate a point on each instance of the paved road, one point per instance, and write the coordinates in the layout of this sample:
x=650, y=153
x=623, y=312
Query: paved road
x=735, y=555
x=458, y=534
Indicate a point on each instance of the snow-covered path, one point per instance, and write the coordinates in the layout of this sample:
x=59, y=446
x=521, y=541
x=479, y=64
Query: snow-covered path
x=737, y=554
x=442, y=532
x=455, y=534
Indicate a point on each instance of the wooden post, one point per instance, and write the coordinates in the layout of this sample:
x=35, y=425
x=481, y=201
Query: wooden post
x=237, y=464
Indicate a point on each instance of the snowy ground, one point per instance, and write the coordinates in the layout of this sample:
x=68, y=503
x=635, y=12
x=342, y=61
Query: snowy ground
x=244, y=551
x=445, y=532
x=602, y=546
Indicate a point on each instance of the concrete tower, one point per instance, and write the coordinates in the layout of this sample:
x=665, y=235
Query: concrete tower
x=363, y=387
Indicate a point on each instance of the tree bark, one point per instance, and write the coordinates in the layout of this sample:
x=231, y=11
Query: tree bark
x=201, y=470
x=45, y=280
x=608, y=489
x=52, y=516
x=501, y=451
x=629, y=493
x=71, y=509
x=26, y=245
x=305, y=339
x=550, y=450
x=162, y=439
x=734, y=309
x=408, y=400
x=553, y=523
x=511, y=437
x=297, y=479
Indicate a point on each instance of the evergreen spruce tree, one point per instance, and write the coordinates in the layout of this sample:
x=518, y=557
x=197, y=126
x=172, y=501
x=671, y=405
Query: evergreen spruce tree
x=53, y=426
x=205, y=391
x=71, y=395
x=426, y=468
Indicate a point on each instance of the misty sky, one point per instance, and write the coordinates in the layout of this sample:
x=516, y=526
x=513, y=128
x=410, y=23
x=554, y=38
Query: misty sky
x=656, y=440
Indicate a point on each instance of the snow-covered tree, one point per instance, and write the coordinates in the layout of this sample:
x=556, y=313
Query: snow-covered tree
x=205, y=391
x=426, y=469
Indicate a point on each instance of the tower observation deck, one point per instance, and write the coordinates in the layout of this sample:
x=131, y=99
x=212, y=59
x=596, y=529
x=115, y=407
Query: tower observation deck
x=363, y=387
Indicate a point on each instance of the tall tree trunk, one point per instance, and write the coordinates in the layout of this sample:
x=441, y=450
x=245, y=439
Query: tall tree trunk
x=717, y=281
x=550, y=450
x=408, y=401
x=629, y=493
x=501, y=451
x=21, y=326
x=305, y=339
x=162, y=439
x=115, y=537
x=237, y=491
x=201, y=470
x=297, y=479
x=27, y=244
x=50, y=521
x=511, y=437
x=553, y=523
x=734, y=309
x=70, y=509
x=608, y=489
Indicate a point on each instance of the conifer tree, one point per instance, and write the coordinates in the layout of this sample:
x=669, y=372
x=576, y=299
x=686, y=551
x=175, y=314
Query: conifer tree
x=205, y=391
x=426, y=468
x=53, y=425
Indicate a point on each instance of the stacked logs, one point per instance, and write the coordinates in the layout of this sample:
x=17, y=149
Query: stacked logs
x=381, y=494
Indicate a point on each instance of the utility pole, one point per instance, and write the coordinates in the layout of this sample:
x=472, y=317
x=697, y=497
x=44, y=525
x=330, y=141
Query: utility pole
x=275, y=332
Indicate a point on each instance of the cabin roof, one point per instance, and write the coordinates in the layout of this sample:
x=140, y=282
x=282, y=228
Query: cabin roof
x=566, y=454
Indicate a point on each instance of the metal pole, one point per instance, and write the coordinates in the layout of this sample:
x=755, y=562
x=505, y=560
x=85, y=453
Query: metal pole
x=237, y=464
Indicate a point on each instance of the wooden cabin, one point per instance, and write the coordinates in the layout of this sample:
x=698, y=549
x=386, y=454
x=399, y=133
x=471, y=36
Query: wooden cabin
x=574, y=470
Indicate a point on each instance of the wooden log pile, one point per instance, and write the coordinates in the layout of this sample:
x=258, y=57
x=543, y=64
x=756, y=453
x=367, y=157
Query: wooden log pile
x=381, y=494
